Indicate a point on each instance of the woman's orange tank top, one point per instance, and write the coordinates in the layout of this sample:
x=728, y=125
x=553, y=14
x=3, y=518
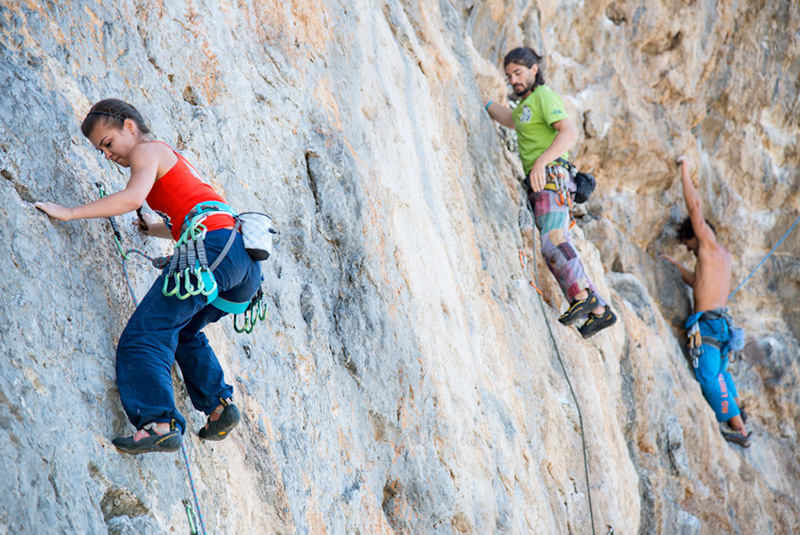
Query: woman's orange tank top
x=181, y=189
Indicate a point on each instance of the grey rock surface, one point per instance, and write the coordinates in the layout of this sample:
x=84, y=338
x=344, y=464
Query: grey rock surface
x=405, y=380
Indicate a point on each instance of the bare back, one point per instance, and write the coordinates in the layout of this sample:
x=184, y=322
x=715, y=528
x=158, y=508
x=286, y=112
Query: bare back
x=712, y=276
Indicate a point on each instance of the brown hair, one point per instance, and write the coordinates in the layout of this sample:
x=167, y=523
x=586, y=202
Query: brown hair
x=113, y=112
x=686, y=230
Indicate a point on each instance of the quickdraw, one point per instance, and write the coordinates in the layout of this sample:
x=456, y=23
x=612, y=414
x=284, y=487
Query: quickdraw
x=560, y=185
x=256, y=311
x=192, y=517
x=695, y=344
x=189, y=272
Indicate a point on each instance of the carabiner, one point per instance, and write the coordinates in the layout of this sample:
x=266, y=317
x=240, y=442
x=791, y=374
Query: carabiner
x=262, y=310
x=191, y=290
x=170, y=293
x=187, y=285
x=203, y=284
x=245, y=328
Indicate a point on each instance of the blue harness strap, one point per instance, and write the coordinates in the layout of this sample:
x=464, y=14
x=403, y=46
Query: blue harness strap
x=230, y=307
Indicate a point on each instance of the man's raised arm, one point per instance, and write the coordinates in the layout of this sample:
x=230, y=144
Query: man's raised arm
x=693, y=204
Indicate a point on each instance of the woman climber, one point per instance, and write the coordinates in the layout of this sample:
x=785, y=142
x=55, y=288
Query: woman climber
x=165, y=327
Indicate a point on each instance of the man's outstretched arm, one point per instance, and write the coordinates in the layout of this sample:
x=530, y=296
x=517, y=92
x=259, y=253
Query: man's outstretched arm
x=499, y=113
x=693, y=204
x=686, y=275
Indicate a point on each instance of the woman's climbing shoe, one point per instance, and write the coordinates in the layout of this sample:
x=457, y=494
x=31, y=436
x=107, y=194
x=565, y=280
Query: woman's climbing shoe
x=149, y=439
x=224, y=418
x=578, y=309
x=738, y=438
x=597, y=323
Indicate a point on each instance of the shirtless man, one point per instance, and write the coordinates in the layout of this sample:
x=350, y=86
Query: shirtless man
x=710, y=282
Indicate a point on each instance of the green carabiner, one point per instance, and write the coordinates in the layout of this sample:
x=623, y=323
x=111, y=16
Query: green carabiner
x=191, y=290
x=262, y=309
x=203, y=284
x=186, y=283
x=236, y=327
x=170, y=293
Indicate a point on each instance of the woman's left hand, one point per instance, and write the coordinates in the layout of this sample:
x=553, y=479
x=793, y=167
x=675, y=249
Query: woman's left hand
x=55, y=211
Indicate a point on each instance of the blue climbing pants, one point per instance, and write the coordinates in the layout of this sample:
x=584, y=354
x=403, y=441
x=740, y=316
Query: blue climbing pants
x=166, y=329
x=711, y=371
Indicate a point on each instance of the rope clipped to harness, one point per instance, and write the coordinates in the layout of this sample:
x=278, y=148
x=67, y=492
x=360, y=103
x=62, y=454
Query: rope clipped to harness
x=566, y=376
x=125, y=254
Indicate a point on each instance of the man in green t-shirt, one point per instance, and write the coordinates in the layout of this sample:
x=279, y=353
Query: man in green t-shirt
x=544, y=136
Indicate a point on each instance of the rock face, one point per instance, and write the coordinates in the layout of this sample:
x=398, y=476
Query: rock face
x=405, y=380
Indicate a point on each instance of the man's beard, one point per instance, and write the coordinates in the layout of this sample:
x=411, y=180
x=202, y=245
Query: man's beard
x=527, y=87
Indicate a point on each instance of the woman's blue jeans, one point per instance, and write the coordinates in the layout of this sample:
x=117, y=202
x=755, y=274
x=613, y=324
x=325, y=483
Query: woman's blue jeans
x=166, y=329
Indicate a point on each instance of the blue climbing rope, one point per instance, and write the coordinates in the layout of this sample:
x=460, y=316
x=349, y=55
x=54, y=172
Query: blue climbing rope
x=764, y=259
x=126, y=255
x=566, y=376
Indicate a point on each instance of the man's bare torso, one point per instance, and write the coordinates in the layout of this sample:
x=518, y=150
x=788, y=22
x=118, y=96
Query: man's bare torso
x=712, y=277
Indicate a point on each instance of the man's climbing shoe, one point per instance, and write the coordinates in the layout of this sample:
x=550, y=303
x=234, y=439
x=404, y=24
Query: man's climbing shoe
x=597, y=323
x=742, y=414
x=578, y=309
x=149, y=439
x=738, y=438
x=224, y=418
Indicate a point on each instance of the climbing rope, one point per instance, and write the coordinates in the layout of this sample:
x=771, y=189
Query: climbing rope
x=126, y=254
x=566, y=375
x=764, y=259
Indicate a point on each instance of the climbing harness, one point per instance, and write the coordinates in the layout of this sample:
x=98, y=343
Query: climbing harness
x=765, y=258
x=566, y=376
x=189, y=273
x=560, y=175
x=733, y=347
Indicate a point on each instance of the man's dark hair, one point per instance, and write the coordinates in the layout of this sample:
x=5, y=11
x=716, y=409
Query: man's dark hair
x=686, y=231
x=113, y=113
x=527, y=57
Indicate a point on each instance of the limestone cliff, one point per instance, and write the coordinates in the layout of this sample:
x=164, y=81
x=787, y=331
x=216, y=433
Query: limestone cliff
x=405, y=380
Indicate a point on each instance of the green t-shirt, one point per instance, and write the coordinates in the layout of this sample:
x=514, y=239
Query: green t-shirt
x=533, y=118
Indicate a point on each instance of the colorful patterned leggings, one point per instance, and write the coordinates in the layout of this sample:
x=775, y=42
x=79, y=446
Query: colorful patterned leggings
x=551, y=213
